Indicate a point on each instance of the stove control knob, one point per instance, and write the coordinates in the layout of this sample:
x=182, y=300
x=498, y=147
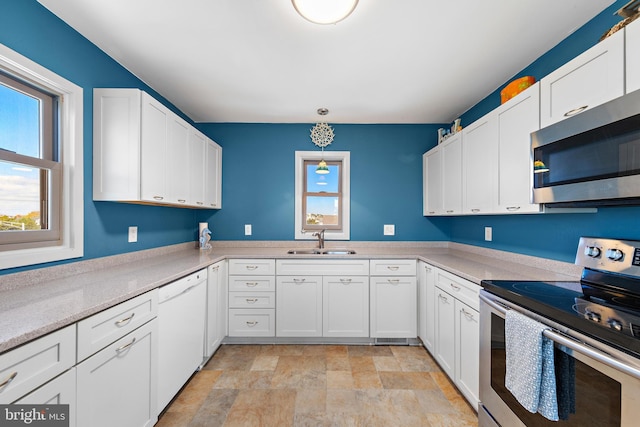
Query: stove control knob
x=593, y=316
x=592, y=251
x=615, y=254
x=615, y=324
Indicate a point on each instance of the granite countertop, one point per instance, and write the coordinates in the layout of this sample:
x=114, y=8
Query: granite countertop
x=36, y=302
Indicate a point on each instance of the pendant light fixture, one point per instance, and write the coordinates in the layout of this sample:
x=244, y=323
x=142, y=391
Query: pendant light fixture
x=324, y=11
x=322, y=135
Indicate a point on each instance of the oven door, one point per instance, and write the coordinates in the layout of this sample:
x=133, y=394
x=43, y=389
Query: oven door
x=605, y=386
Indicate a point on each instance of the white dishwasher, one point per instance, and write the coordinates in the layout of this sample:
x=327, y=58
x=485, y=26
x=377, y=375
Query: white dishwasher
x=181, y=324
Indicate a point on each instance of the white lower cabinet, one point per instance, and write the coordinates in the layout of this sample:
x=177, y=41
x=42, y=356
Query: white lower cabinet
x=345, y=306
x=393, y=299
x=216, y=327
x=426, y=305
x=299, y=306
x=117, y=385
x=457, y=342
x=251, y=298
x=59, y=391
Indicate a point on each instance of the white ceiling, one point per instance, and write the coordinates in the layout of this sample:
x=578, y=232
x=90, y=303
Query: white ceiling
x=400, y=61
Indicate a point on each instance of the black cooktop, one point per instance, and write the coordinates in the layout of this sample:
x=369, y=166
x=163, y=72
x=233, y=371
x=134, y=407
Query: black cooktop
x=566, y=304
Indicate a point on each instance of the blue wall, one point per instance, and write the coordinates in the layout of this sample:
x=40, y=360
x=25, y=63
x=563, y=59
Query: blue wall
x=386, y=179
x=258, y=164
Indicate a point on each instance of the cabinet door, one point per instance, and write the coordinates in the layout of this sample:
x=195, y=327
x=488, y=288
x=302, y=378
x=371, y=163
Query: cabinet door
x=593, y=78
x=426, y=305
x=178, y=166
x=299, y=306
x=213, y=176
x=197, y=153
x=467, y=352
x=59, y=391
x=153, y=149
x=216, y=307
x=516, y=120
x=632, y=56
x=394, y=310
x=432, y=182
x=345, y=308
x=452, y=174
x=445, y=331
x=480, y=162
x=117, y=386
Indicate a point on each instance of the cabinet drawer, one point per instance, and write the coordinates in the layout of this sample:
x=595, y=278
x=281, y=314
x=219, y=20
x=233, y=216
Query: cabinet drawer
x=393, y=267
x=459, y=288
x=252, y=322
x=252, y=283
x=322, y=267
x=101, y=329
x=252, y=300
x=252, y=266
x=31, y=365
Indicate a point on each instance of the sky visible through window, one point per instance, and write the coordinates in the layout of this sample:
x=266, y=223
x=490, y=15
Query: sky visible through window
x=327, y=183
x=19, y=133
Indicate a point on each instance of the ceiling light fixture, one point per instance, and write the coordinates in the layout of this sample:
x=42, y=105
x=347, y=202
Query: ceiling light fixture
x=324, y=11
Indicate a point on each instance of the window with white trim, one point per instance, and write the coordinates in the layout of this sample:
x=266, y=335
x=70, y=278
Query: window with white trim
x=322, y=201
x=41, y=205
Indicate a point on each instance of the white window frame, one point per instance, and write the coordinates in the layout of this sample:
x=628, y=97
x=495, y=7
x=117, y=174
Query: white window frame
x=71, y=158
x=345, y=158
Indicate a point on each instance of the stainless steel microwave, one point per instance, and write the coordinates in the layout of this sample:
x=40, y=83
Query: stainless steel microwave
x=590, y=159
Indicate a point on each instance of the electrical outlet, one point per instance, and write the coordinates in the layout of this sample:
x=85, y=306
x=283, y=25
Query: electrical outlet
x=389, y=229
x=488, y=234
x=133, y=234
x=247, y=229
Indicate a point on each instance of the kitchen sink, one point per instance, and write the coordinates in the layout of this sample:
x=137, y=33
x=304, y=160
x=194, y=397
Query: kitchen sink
x=321, y=252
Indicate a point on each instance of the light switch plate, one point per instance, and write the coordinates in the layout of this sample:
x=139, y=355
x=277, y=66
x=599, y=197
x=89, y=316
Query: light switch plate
x=488, y=234
x=247, y=229
x=389, y=229
x=133, y=234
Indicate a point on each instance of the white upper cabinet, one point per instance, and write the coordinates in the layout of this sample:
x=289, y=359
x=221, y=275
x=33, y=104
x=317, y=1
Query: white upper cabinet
x=632, y=58
x=593, y=78
x=516, y=119
x=452, y=174
x=432, y=182
x=480, y=162
x=213, y=176
x=143, y=152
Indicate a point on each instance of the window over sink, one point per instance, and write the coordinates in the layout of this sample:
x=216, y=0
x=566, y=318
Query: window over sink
x=322, y=201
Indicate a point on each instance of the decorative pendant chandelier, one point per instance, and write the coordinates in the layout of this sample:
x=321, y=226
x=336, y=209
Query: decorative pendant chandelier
x=322, y=135
x=324, y=11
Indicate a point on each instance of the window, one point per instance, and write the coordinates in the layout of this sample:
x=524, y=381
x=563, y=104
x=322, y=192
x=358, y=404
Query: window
x=41, y=207
x=322, y=200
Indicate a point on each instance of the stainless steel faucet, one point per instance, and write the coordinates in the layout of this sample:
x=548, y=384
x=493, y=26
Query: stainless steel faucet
x=320, y=236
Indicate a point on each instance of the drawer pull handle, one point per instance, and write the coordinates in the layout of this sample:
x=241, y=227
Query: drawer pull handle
x=251, y=324
x=181, y=200
x=475, y=210
x=251, y=300
x=126, y=346
x=158, y=197
x=513, y=208
x=200, y=203
x=467, y=314
x=454, y=287
x=575, y=111
x=392, y=267
x=449, y=211
x=393, y=281
x=124, y=321
x=251, y=284
x=251, y=267
x=443, y=298
x=216, y=268
x=298, y=280
x=9, y=379
x=345, y=281
x=432, y=212
x=427, y=268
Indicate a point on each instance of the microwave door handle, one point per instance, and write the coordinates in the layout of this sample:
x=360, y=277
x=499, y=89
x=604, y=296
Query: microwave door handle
x=575, y=345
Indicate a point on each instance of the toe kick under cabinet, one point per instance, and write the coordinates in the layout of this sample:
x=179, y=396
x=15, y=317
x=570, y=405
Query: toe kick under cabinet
x=252, y=298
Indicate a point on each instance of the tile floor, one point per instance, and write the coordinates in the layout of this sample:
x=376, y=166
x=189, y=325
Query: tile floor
x=319, y=385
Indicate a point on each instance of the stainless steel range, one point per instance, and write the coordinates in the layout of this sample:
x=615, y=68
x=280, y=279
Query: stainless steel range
x=594, y=324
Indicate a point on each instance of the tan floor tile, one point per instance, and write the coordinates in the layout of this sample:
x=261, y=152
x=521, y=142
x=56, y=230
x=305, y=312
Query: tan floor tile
x=391, y=407
x=369, y=350
x=299, y=379
x=433, y=401
x=445, y=384
x=311, y=401
x=175, y=419
x=446, y=420
x=417, y=364
x=244, y=380
x=407, y=380
x=265, y=363
x=343, y=402
x=263, y=408
x=194, y=393
x=339, y=379
x=366, y=380
x=338, y=362
x=227, y=361
x=282, y=350
x=337, y=350
x=386, y=363
x=362, y=364
x=290, y=363
x=215, y=408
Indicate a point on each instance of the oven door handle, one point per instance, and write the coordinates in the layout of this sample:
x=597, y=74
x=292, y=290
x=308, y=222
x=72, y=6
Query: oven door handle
x=575, y=345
